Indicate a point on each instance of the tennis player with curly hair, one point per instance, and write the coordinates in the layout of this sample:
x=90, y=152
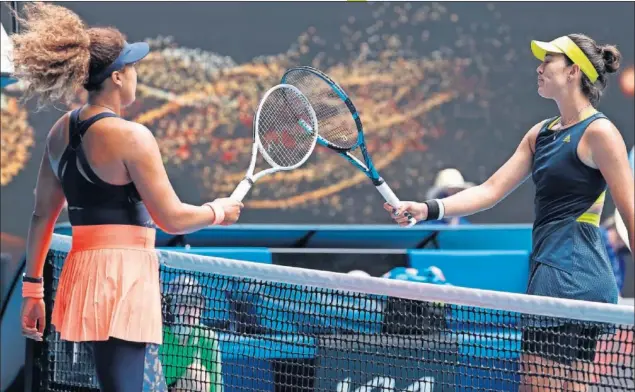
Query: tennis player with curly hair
x=110, y=172
x=572, y=159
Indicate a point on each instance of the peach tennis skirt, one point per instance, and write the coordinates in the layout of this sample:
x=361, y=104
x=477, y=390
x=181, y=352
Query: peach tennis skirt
x=109, y=286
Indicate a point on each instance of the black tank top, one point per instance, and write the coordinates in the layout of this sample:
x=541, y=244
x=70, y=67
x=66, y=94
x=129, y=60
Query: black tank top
x=92, y=201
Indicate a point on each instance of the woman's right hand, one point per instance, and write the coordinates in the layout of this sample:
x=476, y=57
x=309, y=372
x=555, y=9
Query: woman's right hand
x=419, y=211
x=33, y=317
x=232, y=210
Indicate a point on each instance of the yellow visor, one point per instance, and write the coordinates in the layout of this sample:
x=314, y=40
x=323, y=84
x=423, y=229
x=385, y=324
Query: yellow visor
x=565, y=46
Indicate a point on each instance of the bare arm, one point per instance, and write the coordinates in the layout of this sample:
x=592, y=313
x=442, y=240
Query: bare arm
x=49, y=201
x=609, y=154
x=482, y=197
x=143, y=161
x=504, y=181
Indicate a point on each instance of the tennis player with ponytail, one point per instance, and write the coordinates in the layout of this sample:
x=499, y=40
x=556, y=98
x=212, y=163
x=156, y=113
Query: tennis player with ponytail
x=111, y=173
x=572, y=158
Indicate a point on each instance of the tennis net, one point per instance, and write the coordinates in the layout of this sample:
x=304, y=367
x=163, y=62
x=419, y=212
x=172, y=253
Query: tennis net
x=239, y=326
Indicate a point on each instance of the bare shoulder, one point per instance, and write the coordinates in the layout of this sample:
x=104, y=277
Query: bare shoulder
x=58, y=130
x=135, y=137
x=532, y=134
x=533, y=131
x=135, y=130
x=57, y=138
x=603, y=129
x=600, y=143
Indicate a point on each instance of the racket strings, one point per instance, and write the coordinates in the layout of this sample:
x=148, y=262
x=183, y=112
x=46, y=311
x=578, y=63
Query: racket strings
x=286, y=129
x=336, y=123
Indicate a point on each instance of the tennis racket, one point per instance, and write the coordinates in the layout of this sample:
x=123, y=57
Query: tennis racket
x=285, y=131
x=341, y=128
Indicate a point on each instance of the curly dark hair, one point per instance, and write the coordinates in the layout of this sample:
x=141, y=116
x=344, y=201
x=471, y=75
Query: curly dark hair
x=55, y=52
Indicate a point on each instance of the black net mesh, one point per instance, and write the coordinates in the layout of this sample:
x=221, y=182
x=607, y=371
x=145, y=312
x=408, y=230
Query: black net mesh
x=236, y=334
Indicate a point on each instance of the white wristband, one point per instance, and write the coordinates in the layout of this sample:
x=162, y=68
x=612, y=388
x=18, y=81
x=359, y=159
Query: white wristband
x=219, y=213
x=441, y=208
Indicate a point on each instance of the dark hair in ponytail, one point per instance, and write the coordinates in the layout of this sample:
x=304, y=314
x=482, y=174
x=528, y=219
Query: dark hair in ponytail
x=605, y=59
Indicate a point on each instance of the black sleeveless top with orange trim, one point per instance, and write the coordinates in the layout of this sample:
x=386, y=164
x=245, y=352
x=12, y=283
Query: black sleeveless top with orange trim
x=92, y=201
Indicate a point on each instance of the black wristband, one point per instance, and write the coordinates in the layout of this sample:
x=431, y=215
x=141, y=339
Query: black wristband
x=29, y=279
x=433, y=209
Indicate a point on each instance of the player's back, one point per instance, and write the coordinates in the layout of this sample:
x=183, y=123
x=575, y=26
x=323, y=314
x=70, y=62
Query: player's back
x=92, y=174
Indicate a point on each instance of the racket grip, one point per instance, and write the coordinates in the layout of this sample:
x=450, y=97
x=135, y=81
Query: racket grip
x=394, y=201
x=241, y=190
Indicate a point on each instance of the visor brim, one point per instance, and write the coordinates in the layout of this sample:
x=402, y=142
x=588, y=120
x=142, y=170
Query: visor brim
x=540, y=49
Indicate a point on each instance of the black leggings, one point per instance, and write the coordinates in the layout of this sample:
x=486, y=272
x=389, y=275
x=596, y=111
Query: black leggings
x=120, y=366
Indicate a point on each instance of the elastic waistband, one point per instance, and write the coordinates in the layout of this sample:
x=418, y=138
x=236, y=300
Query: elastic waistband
x=113, y=236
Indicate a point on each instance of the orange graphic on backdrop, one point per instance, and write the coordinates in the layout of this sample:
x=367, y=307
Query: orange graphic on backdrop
x=200, y=105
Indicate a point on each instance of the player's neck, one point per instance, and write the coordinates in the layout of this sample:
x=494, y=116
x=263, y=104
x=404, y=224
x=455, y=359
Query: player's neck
x=106, y=101
x=573, y=108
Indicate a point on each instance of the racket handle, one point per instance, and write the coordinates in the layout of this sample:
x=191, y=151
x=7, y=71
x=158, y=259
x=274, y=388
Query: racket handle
x=394, y=201
x=241, y=190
